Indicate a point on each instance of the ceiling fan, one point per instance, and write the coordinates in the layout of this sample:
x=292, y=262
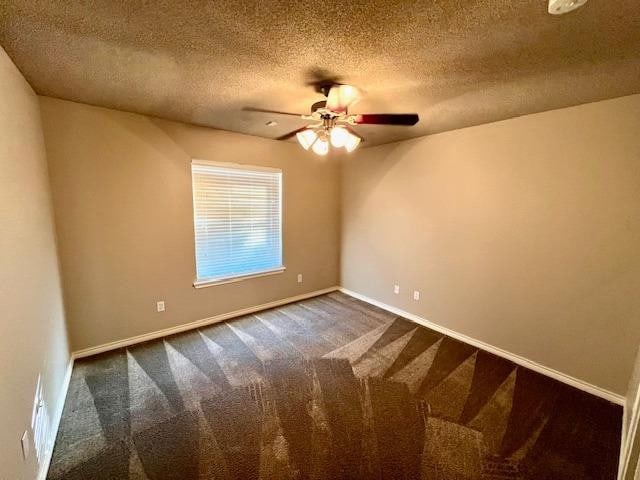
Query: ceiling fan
x=331, y=123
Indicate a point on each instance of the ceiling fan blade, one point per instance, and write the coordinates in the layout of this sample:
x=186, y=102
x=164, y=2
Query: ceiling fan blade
x=287, y=136
x=341, y=96
x=387, y=119
x=262, y=110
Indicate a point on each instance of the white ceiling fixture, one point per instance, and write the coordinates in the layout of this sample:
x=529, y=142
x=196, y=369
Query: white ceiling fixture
x=558, y=7
x=331, y=123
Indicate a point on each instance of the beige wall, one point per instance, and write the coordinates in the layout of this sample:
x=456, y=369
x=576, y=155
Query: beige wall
x=32, y=332
x=524, y=234
x=122, y=191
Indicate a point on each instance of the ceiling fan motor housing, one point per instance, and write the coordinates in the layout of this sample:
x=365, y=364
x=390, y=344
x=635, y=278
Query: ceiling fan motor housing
x=558, y=7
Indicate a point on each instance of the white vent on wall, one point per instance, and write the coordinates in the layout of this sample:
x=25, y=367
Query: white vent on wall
x=558, y=7
x=40, y=424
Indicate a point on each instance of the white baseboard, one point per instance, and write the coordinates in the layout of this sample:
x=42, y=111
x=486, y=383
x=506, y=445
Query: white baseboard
x=86, y=352
x=517, y=359
x=630, y=438
x=55, y=424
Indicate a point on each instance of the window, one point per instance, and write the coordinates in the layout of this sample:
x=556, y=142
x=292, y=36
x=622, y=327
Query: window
x=237, y=220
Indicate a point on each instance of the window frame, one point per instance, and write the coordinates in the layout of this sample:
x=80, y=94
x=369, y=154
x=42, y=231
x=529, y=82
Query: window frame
x=209, y=282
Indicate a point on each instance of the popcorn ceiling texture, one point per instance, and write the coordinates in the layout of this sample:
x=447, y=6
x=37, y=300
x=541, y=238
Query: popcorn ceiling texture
x=455, y=62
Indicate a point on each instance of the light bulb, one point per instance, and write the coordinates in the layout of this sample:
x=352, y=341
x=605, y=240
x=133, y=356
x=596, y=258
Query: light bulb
x=306, y=138
x=320, y=147
x=339, y=136
x=351, y=142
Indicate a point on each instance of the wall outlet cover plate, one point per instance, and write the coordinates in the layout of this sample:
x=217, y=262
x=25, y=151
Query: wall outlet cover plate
x=26, y=445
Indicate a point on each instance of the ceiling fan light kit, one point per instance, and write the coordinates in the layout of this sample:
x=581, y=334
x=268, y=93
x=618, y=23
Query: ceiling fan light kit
x=331, y=124
x=318, y=139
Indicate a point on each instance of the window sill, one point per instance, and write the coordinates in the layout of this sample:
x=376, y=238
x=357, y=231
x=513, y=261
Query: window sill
x=239, y=278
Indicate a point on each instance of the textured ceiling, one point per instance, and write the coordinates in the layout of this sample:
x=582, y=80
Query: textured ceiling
x=455, y=62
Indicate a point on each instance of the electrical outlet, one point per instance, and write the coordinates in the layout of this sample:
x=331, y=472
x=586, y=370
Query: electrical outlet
x=416, y=295
x=160, y=306
x=26, y=445
x=299, y=278
x=396, y=289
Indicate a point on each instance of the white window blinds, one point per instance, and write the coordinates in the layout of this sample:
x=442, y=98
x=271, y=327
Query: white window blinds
x=237, y=220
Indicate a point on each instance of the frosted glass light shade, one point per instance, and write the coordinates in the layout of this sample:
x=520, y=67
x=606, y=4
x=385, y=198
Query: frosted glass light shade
x=351, y=142
x=339, y=137
x=306, y=138
x=320, y=147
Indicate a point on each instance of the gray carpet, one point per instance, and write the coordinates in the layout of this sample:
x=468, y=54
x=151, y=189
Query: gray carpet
x=327, y=388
